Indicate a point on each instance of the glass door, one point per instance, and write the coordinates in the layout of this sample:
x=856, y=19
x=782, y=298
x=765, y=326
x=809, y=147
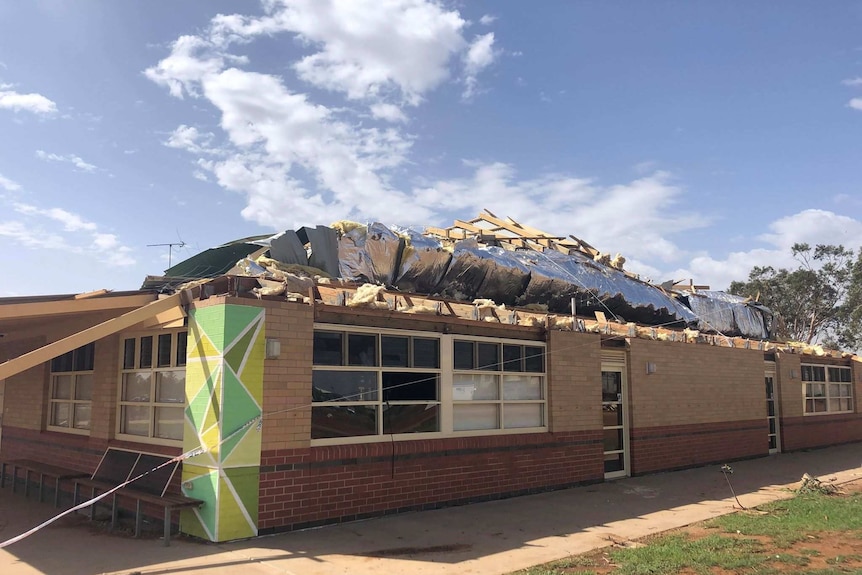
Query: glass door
x=772, y=414
x=614, y=423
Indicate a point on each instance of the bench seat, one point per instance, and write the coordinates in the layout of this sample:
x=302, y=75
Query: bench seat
x=41, y=469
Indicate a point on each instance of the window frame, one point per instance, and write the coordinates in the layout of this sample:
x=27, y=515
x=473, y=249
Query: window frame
x=445, y=392
x=151, y=404
x=806, y=370
x=72, y=401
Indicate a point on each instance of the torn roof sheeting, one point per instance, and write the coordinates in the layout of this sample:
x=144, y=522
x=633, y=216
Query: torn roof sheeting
x=729, y=314
x=501, y=260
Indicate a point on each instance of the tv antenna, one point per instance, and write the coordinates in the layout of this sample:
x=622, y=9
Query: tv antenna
x=179, y=244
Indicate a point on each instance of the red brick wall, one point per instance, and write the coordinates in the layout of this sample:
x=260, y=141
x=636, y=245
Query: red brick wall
x=307, y=487
x=820, y=431
x=679, y=446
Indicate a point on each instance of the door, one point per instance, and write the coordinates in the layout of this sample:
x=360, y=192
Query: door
x=614, y=421
x=772, y=414
x=2, y=393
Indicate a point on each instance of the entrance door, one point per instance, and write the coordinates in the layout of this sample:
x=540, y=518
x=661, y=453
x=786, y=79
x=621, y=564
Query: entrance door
x=614, y=422
x=772, y=414
x=2, y=393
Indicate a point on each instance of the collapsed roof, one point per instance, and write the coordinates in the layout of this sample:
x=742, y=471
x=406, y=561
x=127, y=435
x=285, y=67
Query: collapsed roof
x=484, y=258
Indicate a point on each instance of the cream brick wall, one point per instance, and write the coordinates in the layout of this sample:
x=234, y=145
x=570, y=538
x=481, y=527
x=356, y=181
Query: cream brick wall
x=694, y=384
x=103, y=418
x=574, y=381
x=789, y=388
x=26, y=392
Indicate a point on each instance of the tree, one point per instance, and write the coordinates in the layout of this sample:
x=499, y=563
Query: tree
x=821, y=300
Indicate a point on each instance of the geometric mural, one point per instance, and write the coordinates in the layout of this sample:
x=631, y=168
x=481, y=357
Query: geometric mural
x=224, y=399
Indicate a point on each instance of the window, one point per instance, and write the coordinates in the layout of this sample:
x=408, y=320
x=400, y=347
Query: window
x=827, y=389
x=153, y=385
x=72, y=390
x=372, y=383
x=497, y=386
x=367, y=384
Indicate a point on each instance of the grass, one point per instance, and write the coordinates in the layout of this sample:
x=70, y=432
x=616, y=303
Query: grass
x=793, y=520
x=778, y=526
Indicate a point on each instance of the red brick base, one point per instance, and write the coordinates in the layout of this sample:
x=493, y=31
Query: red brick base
x=680, y=446
x=820, y=431
x=310, y=487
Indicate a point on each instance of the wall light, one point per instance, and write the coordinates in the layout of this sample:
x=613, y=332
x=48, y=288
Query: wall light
x=273, y=348
x=650, y=368
x=792, y=373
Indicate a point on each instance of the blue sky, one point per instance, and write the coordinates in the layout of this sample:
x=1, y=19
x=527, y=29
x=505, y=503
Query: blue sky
x=697, y=139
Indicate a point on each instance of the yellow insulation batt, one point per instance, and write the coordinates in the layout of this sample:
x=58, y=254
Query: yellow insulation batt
x=366, y=296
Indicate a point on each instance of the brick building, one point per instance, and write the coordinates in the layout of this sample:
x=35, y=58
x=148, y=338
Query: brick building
x=317, y=411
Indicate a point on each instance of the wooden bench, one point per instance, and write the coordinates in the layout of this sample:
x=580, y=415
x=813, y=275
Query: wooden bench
x=118, y=466
x=43, y=470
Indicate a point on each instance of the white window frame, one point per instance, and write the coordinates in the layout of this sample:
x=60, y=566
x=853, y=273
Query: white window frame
x=72, y=401
x=829, y=395
x=446, y=372
x=151, y=404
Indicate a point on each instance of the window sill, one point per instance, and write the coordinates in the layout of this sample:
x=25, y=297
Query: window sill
x=819, y=413
x=67, y=430
x=148, y=440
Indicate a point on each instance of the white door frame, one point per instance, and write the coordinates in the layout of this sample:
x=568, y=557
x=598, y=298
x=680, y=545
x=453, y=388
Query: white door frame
x=615, y=361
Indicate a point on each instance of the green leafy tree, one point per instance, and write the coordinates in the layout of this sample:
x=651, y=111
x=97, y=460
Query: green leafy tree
x=817, y=301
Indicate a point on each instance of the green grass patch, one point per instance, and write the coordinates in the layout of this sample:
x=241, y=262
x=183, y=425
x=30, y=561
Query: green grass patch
x=673, y=553
x=794, y=519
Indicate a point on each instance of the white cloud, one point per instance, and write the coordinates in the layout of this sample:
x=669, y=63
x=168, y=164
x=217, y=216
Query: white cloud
x=852, y=82
x=8, y=184
x=479, y=56
x=388, y=112
x=17, y=102
x=190, y=139
x=487, y=20
x=38, y=229
x=808, y=226
x=199, y=175
x=76, y=161
x=855, y=103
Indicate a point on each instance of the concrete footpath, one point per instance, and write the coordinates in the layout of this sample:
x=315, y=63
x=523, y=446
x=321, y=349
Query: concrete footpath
x=487, y=538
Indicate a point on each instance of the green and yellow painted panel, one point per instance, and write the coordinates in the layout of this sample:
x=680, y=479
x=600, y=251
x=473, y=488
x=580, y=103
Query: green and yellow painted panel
x=224, y=396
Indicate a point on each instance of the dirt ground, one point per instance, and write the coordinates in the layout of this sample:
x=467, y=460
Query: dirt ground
x=830, y=552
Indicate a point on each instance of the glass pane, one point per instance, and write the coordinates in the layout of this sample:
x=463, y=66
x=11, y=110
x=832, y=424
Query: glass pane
x=182, y=343
x=361, y=349
x=83, y=357
x=332, y=421
x=62, y=363
x=770, y=408
x=344, y=385
x=512, y=358
x=522, y=387
x=394, y=351
x=846, y=390
x=164, y=352
x=171, y=386
x=488, y=355
x=834, y=390
x=773, y=442
x=63, y=386
x=60, y=414
x=476, y=416
x=136, y=386
x=614, y=462
x=401, y=386
x=769, y=388
x=522, y=415
x=464, y=351
x=146, y=358
x=135, y=420
x=84, y=387
x=169, y=423
x=129, y=354
x=819, y=405
x=82, y=416
x=612, y=385
x=612, y=414
x=426, y=352
x=327, y=348
x=772, y=426
x=534, y=359
x=613, y=439
x=475, y=386
x=846, y=404
x=411, y=418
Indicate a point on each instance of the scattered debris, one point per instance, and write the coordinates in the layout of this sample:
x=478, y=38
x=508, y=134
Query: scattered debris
x=811, y=484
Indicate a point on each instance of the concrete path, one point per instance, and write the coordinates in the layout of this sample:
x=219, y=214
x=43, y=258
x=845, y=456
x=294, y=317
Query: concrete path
x=486, y=538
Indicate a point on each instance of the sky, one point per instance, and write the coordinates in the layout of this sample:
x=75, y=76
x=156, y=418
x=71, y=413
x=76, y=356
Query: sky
x=698, y=139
